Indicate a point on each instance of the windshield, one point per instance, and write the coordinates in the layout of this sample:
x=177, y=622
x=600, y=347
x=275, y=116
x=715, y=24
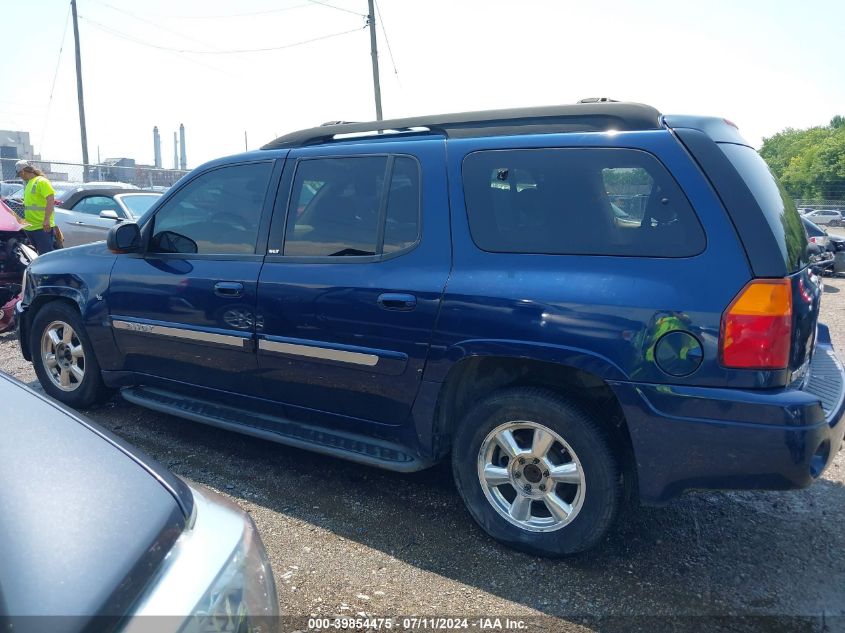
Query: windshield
x=7, y=189
x=138, y=203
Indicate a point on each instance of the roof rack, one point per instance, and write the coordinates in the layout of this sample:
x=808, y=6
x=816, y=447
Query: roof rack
x=593, y=116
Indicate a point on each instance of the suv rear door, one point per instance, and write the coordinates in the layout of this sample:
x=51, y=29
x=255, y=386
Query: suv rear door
x=352, y=284
x=184, y=310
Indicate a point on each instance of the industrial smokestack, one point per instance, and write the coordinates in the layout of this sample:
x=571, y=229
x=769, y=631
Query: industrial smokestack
x=183, y=155
x=156, y=147
x=175, y=152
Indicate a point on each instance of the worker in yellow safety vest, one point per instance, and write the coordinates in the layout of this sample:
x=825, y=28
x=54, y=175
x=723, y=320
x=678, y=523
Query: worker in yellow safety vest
x=38, y=201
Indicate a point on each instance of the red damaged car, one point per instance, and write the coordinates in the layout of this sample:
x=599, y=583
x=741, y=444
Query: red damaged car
x=15, y=256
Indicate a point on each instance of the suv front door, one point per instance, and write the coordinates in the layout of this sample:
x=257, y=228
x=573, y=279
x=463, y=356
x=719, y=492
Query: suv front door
x=351, y=288
x=184, y=310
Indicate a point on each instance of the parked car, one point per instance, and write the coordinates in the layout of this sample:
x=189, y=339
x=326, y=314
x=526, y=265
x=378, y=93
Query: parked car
x=815, y=233
x=86, y=213
x=102, y=535
x=824, y=217
x=64, y=190
x=832, y=259
x=459, y=287
x=8, y=189
x=15, y=256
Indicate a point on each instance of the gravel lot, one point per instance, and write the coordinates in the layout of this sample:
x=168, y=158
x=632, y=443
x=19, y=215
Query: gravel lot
x=347, y=539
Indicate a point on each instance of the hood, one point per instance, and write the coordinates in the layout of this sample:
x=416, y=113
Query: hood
x=9, y=222
x=85, y=521
x=75, y=258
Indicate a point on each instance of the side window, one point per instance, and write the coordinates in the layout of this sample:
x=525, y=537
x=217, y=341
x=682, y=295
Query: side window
x=402, y=223
x=216, y=213
x=339, y=206
x=586, y=201
x=92, y=205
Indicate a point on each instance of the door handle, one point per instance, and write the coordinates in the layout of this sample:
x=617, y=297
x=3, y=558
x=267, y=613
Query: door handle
x=231, y=289
x=397, y=301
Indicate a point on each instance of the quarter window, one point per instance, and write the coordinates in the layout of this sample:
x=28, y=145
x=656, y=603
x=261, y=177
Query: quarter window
x=216, y=213
x=585, y=201
x=402, y=223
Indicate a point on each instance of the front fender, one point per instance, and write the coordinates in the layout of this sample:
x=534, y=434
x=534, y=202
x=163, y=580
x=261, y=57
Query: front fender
x=81, y=276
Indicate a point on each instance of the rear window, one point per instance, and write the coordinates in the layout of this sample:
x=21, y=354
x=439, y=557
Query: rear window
x=582, y=201
x=778, y=208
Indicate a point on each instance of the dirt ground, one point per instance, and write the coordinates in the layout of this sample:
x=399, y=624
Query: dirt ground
x=350, y=540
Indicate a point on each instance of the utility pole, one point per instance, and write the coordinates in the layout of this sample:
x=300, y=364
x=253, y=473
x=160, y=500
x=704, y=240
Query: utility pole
x=82, y=131
x=246, y=148
x=371, y=22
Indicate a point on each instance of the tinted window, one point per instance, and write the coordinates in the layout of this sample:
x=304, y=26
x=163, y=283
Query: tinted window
x=339, y=206
x=812, y=229
x=92, y=205
x=578, y=202
x=778, y=208
x=216, y=213
x=402, y=223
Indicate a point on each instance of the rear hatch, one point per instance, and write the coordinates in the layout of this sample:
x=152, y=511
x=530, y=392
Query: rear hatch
x=784, y=222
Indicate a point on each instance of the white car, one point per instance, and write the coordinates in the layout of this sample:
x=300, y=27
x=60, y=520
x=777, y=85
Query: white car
x=825, y=217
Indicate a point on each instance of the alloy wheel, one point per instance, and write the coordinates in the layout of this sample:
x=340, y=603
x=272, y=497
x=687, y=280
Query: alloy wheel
x=62, y=356
x=531, y=476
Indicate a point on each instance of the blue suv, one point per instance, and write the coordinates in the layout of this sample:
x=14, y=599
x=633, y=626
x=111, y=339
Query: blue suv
x=579, y=305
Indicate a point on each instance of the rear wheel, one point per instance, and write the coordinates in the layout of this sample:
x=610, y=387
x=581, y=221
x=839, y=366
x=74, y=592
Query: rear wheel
x=536, y=472
x=63, y=358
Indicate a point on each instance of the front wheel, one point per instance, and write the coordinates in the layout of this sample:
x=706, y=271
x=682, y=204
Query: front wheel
x=63, y=358
x=536, y=472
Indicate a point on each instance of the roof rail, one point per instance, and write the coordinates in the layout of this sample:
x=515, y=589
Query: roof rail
x=598, y=116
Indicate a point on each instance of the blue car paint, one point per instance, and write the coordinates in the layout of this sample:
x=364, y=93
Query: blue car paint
x=597, y=314
x=335, y=303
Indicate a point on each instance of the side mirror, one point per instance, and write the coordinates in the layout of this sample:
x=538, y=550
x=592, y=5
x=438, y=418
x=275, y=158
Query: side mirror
x=109, y=214
x=124, y=238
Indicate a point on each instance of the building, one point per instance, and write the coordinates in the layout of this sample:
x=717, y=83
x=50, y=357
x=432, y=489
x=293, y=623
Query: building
x=14, y=145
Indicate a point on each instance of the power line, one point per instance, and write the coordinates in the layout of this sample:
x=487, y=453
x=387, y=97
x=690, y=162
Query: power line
x=384, y=32
x=331, y=6
x=53, y=85
x=212, y=52
x=120, y=35
x=155, y=24
x=233, y=15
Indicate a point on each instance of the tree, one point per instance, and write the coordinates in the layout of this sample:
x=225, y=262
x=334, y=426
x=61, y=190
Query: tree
x=810, y=163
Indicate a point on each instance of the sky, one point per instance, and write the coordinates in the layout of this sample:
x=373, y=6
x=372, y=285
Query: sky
x=765, y=65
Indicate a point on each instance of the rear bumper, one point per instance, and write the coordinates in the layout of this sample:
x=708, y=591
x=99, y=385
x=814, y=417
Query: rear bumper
x=698, y=437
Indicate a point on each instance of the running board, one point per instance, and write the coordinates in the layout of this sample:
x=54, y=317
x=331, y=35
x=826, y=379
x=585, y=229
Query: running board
x=349, y=446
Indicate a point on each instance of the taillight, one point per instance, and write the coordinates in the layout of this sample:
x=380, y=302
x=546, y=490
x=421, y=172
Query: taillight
x=757, y=326
x=813, y=240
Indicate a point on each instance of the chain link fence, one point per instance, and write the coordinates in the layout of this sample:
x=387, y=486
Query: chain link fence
x=818, y=205
x=120, y=172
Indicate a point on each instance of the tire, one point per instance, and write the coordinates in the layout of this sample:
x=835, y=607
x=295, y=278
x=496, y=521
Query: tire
x=577, y=468
x=74, y=376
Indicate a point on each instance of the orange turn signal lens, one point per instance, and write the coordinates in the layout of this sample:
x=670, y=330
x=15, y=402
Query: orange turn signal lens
x=757, y=326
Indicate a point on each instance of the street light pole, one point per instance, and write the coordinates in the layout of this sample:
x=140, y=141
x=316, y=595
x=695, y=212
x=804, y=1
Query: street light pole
x=371, y=22
x=82, y=131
